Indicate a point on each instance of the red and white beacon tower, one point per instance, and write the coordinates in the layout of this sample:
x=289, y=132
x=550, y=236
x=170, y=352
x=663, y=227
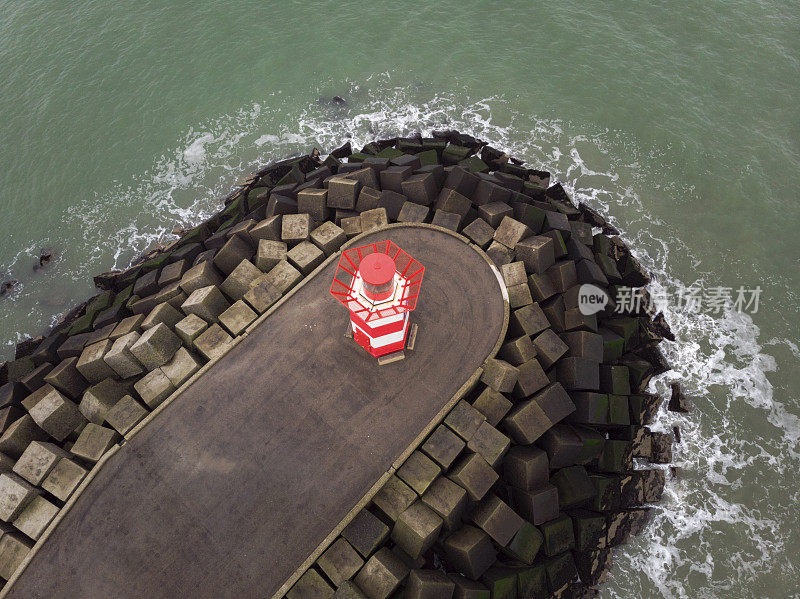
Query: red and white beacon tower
x=379, y=284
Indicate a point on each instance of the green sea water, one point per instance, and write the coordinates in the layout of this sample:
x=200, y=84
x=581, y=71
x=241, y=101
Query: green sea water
x=120, y=121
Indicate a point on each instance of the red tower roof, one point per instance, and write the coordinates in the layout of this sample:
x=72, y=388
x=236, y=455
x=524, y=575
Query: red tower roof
x=377, y=269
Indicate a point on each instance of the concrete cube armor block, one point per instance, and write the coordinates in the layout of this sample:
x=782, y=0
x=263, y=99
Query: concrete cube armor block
x=200, y=275
x=526, y=467
x=416, y=529
x=125, y=415
x=537, y=253
x=64, y=479
x=448, y=500
x=349, y=590
x=328, y=237
x=66, y=378
x=525, y=544
x=20, y=434
x=537, y=505
x=469, y=551
x=189, y=328
x=428, y=584
x=372, y=220
x=340, y=561
x=262, y=296
x=305, y=256
x=381, y=575
x=38, y=459
x=518, y=350
x=14, y=548
x=213, y=342
x=310, y=585
x=207, y=303
x=493, y=405
x=154, y=388
x=443, y=446
x=446, y=220
x=162, y=313
x=497, y=519
x=499, y=254
x=56, y=415
x=531, y=378
x=269, y=228
x=36, y=517
x=474, y=475
x=181, y=367
x=343, y=192
x=156, y=346
x=232, y=253
x=237, y=318
x=420, y=188
x=131, y=324
x=499, y=375
x=549, y=347
x=93, y=442
x=413, y=213
x=464, y=420
x=480, y=233
x=15, y=495
x=394, y=497
x=240, y=280
x=510, y=232
x=121, y=359
x=269, y=253
x=351, y=226
x=489, y=443
x=366, y=533
x=313, y=202
x=91, y=364
x=418, y=471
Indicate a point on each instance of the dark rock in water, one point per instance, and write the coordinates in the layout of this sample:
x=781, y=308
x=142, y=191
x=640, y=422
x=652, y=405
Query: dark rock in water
x=659, y=327
x=342, y=151
x=591, y=216
x=339, y=101
x=27, y=347
x=610, y=230
x=678, y=402
x=674, y=471
x=7, y=286
x=677, y=432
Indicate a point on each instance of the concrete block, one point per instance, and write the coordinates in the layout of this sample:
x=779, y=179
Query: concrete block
x=12, y=393
x=213, y=342
x=91, y=364
x=558, y=535
x=392, y=202
x=562, y=444
x=487, y=191
x=171, y=294
x=189, y=328
x=125, y=414
x=305, y=256
x=66, y=378
x=156, y=346
x=537, y=253
x=562, y=275
x=295, y=228
x=499, y=375
x=450, y=200
x=579, y=374
x=394, y=497
x=518, y=350
x=418, y=471
x=180, y=368
x=617, y=457
x=232, y=253
x=499, y=254
x=283, y=276
x=35, y=378
x=56, y=415
x=480, y=233
x=468, y=589
x=237, y=318
x=531, y=378
x=382, y=574
x=199, y=276
x=416, y=529
x=38, y=459
x=584, y=344
x=36, y=517
x=446, y=220
x=340, y=561
x=154, y=388
x=343, y=192
x=367, y=176
x=269, y=253
x=519, y=296
x=93, y=442
x=541, y=288
x=8, y=415
x=367, y=199
x=501, y=581
x=462, y=181
x=493, y=405
x=537, y=505
x=73, y=346
x=366, y=533
x=13, y=550
x=372, y=220
x=443, y=446
x=240, y=280
x=549, y=347
x=510, y=232
x=310, y=585
x=514, y=274
x=351, y=226
x=526, y=467
x=574, y=486
x=120, y=358
x=314, y=202
x=528, y=320
x=464, y=419
x=392, y=177
x=489, y=443
x=528, y=420
x=146, y=284
x=494, y=213
x=429, y=584
x=15, y=495
x=469, y=551
x=131, y=324
x=614, y=379
x=497, y=519
x=413, y=213
x=448, y=500
x=349, y=590
x=590, y=408
x=269, y=228
x=525, y=544
x=172, y=273
x=420, y=188
x=328, y=237
x=162, y=313
x=64, y=478
x=474, y=475
x=262, y=296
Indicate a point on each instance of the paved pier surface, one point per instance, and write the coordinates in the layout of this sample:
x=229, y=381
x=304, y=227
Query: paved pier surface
x=230, y=488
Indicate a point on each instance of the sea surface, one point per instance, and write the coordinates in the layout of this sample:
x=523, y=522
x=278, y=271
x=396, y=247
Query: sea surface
x=120, y=121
